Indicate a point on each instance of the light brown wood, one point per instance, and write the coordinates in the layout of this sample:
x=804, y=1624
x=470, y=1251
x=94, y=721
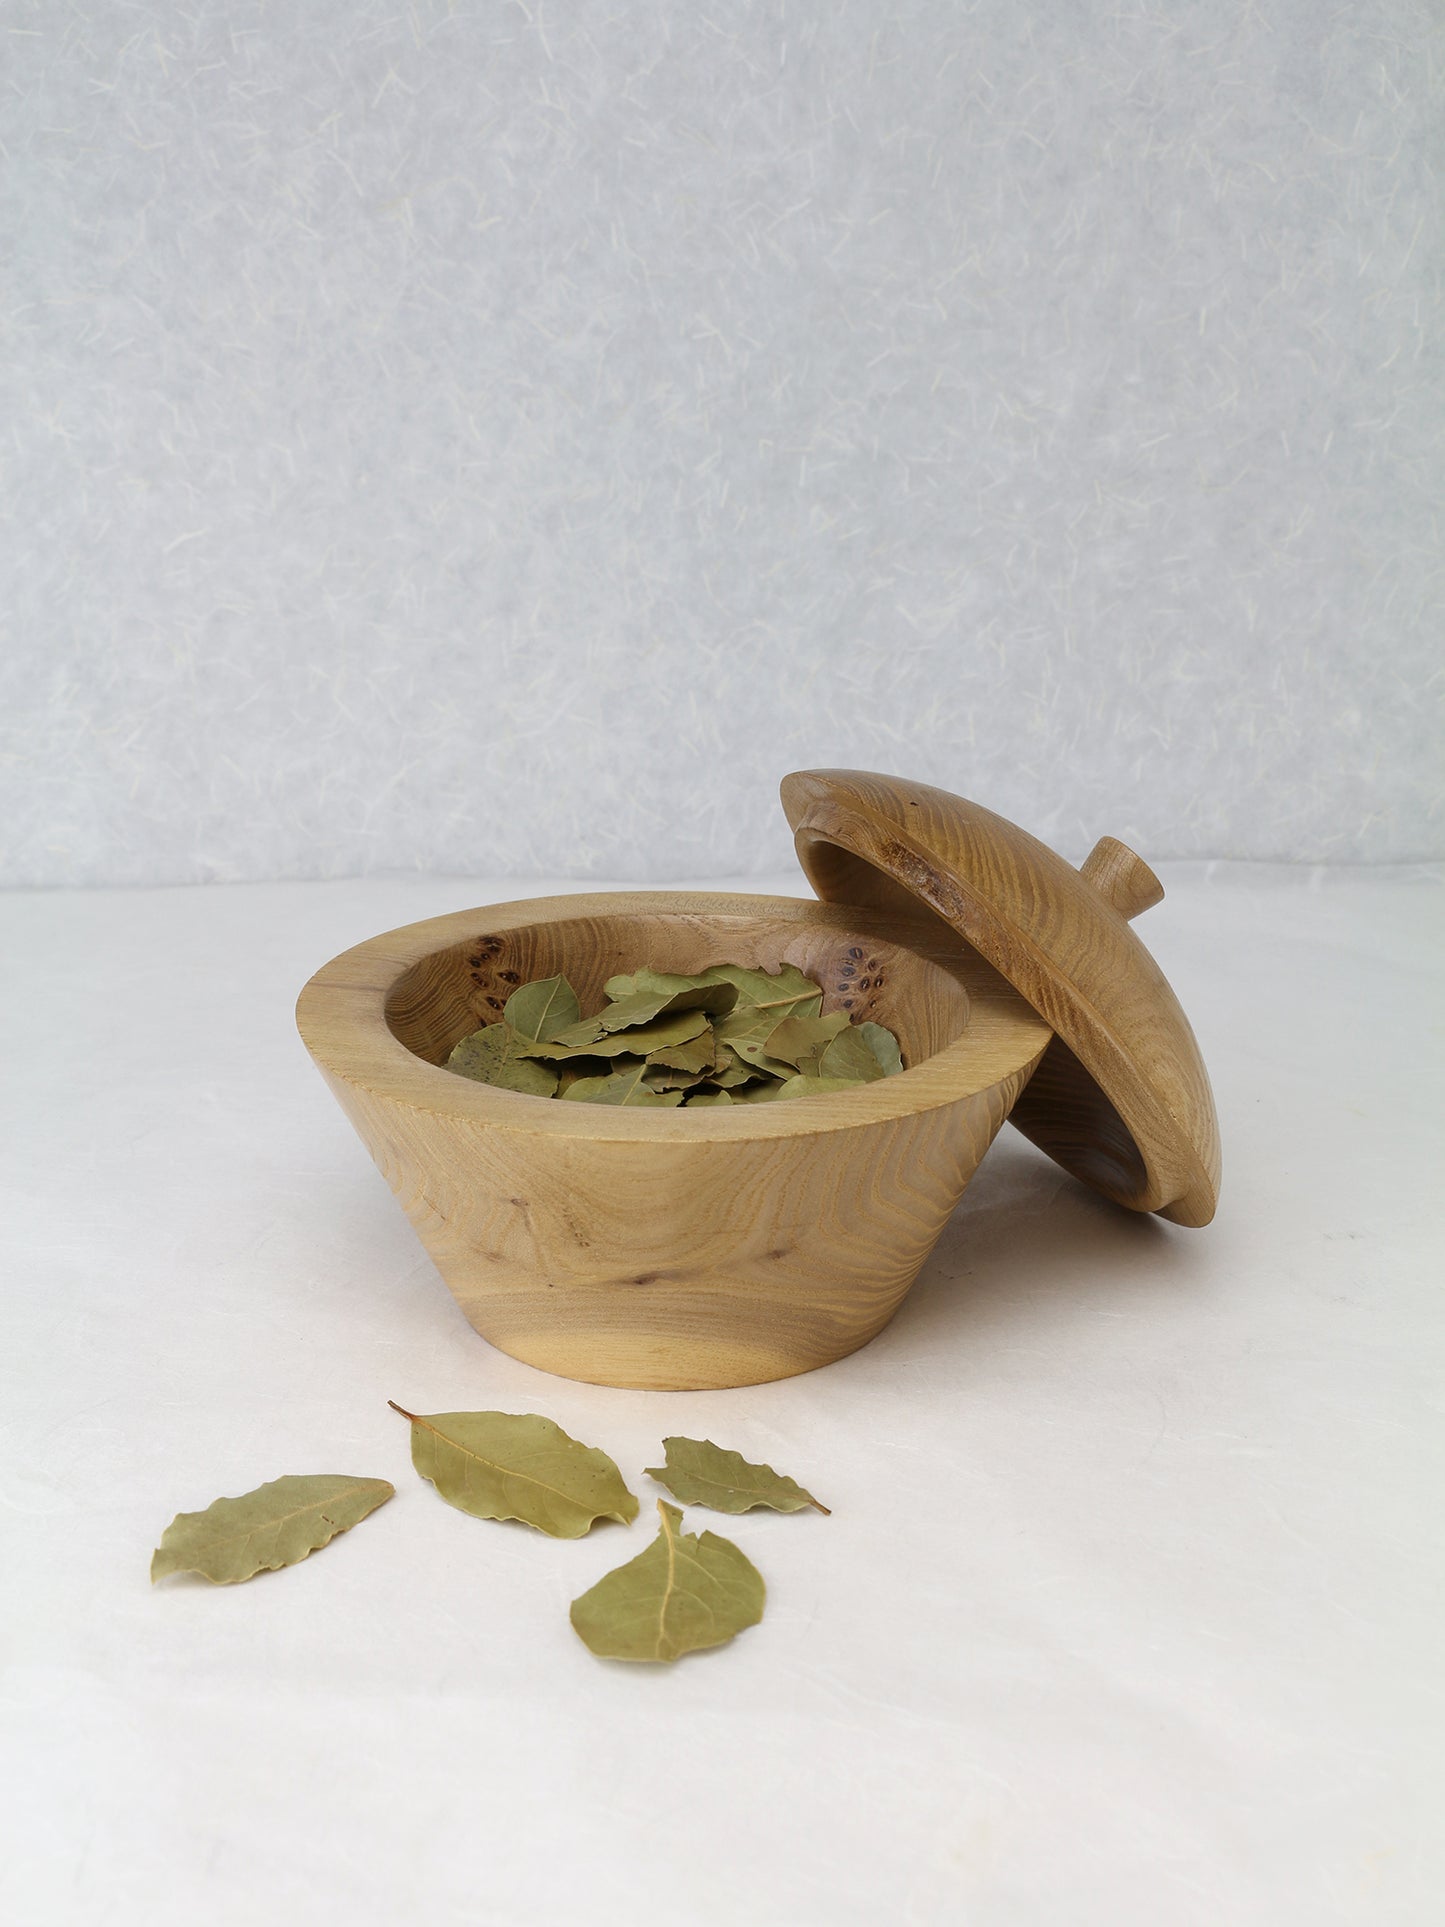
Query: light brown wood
x=681, y=1248
x=1125, y=880
x=1121, y=1098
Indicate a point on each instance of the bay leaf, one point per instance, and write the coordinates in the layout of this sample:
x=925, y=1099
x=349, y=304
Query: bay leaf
x=585, y=1040
x=752, y=1052
x=651, y=993
x=574, y=1069
x=696, y=1098
x=884, y=1046
x=686, y=1592
x=618, y=989
x=278, y=1524
x=505, y=1465
x=734, y=1071
x=499, y=1055
x=698, y=1053
x=801, y=1041
x=543, y=1008
x=627, y=1086
x=764, y=1090
x=801, y=1086
x=701, y=1473
x=847, y=1056
x=784, y=993
x=661, y=1077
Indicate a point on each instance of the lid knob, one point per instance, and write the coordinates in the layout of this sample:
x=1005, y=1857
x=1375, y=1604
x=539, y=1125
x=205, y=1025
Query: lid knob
x=1124, y=880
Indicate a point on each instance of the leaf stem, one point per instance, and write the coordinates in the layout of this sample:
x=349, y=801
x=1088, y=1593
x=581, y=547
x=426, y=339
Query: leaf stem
x=402, y=1409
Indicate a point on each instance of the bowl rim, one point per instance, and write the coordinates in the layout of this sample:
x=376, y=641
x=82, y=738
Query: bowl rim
x=341, y=1016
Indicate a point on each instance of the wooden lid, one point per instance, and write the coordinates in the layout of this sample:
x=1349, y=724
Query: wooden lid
x=1121, y=1098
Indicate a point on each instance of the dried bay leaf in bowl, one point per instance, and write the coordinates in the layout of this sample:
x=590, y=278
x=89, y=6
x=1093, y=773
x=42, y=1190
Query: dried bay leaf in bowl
x=497, y=1054
x=729, y=1034
x=848, y=1056
x=786, y=992
x=588, y=1039
x=542, y=1008
x=654, y=993
x=700, y=1054
x=801, y=1041
x=627, y=1086
x=884, y=1046
x=801, y=1086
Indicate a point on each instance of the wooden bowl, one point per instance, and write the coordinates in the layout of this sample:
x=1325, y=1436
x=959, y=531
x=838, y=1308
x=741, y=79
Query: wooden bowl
x=681, y=1249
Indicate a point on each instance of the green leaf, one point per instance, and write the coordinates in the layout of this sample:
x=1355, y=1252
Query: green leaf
x=499, y=1465
x=884, y=1046
x=277, y=1525
x=686, y=1592
x=499, y=1055
x=541, y=1009
x=696, y=1098
x=627, y=1086
x=585, y=1040
x=701, y=1473
x=801, y=1041
x=848, y=1056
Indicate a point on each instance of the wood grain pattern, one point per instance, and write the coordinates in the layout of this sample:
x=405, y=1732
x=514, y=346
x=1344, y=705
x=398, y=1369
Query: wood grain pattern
x=1122, y=1098
x=678, y=1248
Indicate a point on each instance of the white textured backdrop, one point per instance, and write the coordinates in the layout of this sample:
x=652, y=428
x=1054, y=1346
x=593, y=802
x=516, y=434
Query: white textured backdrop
x=510, y=436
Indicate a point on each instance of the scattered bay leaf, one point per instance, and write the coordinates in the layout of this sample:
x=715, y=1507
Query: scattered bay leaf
x=502, y=1465
x=686, y=1592
x=277, y=1525
x=701, y=1473
x=539, y=1010
x=497, y=1054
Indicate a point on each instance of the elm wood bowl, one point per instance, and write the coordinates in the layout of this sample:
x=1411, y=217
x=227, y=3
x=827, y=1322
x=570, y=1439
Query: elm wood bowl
x=672, y=1249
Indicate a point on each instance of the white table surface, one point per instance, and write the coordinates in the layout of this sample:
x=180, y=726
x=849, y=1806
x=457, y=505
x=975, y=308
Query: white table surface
x=1129, y=1609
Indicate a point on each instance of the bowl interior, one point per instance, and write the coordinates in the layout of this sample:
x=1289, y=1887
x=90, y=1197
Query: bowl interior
x=448, y=993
